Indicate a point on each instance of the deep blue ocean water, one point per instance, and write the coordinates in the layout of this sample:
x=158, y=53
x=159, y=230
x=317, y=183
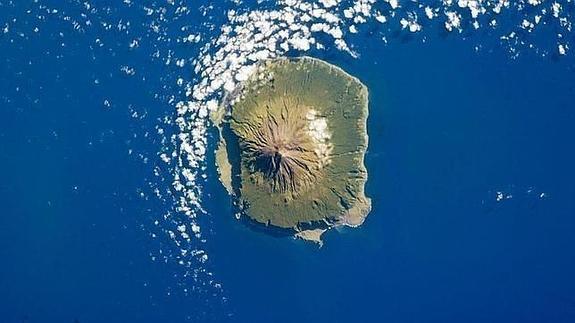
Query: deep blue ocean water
x=450, y=128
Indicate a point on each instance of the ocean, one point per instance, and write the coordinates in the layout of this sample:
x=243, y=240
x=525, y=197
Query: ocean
x=470, y=164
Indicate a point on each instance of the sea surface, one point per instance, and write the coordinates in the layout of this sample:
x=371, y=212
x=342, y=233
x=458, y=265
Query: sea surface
x=470, y=160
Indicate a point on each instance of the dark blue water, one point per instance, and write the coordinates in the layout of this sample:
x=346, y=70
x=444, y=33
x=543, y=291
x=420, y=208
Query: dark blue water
x=449, y=128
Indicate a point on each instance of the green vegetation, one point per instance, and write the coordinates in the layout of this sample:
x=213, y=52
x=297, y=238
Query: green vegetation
x=299, y=127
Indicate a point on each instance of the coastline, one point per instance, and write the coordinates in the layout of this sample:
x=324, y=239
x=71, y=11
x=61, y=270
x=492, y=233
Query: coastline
x=355, y=213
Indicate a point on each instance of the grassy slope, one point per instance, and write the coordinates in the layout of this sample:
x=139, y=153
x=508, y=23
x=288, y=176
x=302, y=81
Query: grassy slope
x=343, y=101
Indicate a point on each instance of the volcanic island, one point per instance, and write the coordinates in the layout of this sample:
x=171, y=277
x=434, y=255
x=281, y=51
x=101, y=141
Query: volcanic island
x=292, y=146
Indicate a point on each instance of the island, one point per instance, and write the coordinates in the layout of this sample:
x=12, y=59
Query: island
x=292, y=145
